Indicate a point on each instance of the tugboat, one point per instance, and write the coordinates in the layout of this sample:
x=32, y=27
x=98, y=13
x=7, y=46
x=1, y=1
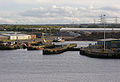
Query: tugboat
x=4, y=45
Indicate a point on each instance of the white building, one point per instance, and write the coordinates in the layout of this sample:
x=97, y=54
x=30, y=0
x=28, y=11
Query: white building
x=23, y=36
x=16, y=36
x=19, y=37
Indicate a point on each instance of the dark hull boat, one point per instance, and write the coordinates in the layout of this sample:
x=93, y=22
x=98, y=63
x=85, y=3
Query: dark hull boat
x=35, y=48
x=59, y=49
x=8, y=47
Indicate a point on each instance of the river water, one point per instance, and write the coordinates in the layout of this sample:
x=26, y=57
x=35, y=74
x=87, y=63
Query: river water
x=32, y=66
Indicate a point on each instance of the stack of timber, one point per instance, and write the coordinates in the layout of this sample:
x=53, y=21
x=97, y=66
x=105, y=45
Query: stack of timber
x=59, y=49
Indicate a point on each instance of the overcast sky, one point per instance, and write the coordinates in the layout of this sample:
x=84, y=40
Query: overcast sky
x=57, y=11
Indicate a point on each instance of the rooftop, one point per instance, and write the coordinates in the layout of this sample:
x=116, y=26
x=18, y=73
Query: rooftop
x=110, y=39
x=90, y=29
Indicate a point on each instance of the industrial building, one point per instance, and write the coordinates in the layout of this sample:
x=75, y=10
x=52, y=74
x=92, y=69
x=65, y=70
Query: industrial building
x=15, y=36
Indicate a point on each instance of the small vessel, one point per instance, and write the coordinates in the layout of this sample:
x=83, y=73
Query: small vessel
x=40, y=45
x=36, y=46
x=57, y=49
x=4, y=45
x=58, y=39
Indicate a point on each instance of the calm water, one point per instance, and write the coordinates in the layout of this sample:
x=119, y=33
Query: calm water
x=32, y=66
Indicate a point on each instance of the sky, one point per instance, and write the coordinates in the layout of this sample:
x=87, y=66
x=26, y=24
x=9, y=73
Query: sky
x=57, y=11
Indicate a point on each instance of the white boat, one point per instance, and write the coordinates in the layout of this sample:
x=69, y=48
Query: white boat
x=58, y=39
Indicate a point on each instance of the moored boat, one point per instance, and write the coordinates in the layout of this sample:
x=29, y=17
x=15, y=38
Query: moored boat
x=57, y=49
x=4, y=45
x=35, y=47
x=58, y=39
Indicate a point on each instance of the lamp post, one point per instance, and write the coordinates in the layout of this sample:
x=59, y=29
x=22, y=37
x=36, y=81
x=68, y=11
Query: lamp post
x=104, y=29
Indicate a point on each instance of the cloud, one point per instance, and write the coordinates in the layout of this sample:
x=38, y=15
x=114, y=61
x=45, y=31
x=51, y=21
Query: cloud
x=64, y=14
x=53, y=11
x=58, y=14
x=111, y=8
x=6, y=20
x=25, y=1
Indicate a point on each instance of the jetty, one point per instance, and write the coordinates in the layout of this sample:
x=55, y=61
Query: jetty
x=111, y=49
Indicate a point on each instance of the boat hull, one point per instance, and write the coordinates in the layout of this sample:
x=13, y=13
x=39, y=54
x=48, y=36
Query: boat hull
x=58, y=50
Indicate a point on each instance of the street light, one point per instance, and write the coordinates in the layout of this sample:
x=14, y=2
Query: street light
x=104, y=29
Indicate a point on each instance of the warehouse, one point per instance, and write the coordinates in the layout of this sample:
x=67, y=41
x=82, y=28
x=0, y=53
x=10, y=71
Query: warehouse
x=23, y=36
x=15, y=36
x=19, y=36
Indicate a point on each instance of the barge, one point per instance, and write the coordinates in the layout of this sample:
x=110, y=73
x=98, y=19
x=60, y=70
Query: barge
x=57, y=49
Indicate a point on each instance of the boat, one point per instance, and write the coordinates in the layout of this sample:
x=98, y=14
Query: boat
x=58, y=39
x=57, y=49
x=35, y=48
x=4, y=45
x=40, y=45
x=7, y=47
